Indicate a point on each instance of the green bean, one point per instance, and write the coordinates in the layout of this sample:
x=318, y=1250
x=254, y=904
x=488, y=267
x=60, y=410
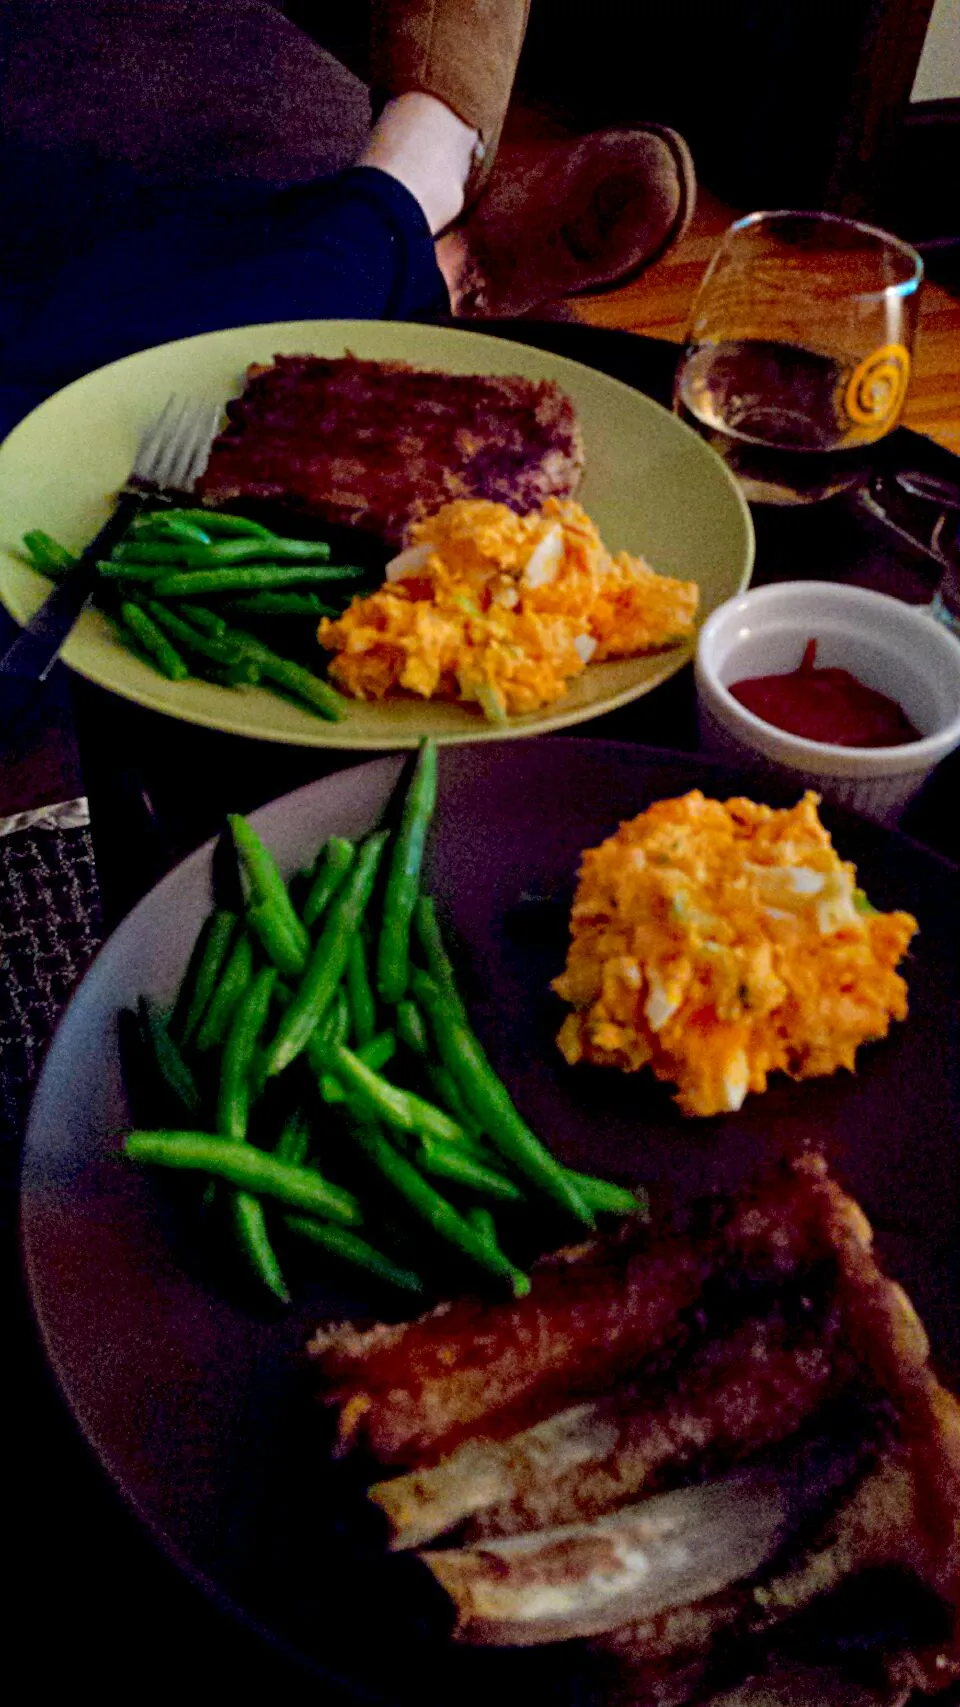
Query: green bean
x=378, y=1051
x=328, y=961
x=250, y=1226
x=237, y=974
x=302, y=683
x=488, y=1097
x=216, y=660
x=224, y=552
x=262, y=877
x=339, y=1017
x=448, y=1094
x=47, y=554
x=439, y=966
x=280, y=942
x=155, y=553
x=207, y=620
x=447, y=1161
x=401, y=1109
x=243, y=673
x=403, y=877
x=412, y=1032
x=170, y=1063
x=410, y=1027
x=233, y=1109
x=333, y=1028
x=189, y=582
x=282, y=604
x=246, y=1025
x=608, y=1199
x=299, y=550
x=374, y=1054
x=363, y=1007
x=294, y=1140
x=216, y=522
x=209, y=954
x=270, y=898
x=247, y=1167
x=166, y=526
x=149, y=636
x=298, y=681
x=482, y=1223
x=332, y=868
x=147, y=573
x=434, y=1209
x=354, y=1250
x=204, y=645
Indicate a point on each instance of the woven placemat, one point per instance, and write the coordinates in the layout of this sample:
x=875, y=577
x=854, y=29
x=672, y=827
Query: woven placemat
x=49, y=931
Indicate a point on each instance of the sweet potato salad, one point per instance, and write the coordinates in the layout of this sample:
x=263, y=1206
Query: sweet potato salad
x=503, y=610
x=719, y=942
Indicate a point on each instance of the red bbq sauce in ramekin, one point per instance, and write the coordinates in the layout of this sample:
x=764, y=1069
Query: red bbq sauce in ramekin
x=828, y=705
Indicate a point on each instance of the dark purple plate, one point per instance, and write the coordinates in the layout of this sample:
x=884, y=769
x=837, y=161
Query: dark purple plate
x=191, y=1394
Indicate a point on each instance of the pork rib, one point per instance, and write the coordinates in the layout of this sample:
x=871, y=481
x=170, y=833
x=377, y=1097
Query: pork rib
x=377, y=445
x=410, y=1393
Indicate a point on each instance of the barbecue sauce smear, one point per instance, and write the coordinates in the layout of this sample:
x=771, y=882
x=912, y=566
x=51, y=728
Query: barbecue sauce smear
x=827, y=705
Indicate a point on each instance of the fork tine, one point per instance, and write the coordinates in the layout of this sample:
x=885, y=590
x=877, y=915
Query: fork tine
x=157, y=448
x=183, y=451
x=197, y=450
x=174, y=449
x=153, y=439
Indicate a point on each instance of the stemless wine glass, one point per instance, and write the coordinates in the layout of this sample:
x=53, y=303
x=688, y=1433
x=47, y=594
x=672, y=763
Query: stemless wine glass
x=799, y=351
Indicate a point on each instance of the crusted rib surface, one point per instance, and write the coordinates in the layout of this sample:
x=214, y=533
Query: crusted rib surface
x=410, y=1393
x=378, y=445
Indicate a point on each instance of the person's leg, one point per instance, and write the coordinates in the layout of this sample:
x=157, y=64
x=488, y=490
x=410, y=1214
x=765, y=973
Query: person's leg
x=462, y=52
x=143, y=145
x=551, y=221
x=423, y=143
x=360, y=247
x=356, y=245
x=159, y=251
x=180, y=91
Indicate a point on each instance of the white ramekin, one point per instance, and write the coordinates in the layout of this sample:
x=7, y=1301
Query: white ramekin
x=893, y=647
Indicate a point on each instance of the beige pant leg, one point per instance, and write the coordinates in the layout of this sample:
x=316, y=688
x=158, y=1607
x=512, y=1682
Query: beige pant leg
x=464, y=52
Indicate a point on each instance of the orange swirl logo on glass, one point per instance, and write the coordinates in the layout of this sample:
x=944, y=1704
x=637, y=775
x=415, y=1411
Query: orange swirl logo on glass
x=873, y=395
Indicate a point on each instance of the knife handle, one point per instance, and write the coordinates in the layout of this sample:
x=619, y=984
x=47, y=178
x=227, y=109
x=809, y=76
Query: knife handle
x=31, y=655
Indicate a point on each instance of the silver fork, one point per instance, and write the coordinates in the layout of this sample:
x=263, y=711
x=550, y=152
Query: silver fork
x=170, y=458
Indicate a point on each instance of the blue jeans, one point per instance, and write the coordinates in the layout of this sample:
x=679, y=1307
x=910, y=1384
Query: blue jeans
x=103, y=265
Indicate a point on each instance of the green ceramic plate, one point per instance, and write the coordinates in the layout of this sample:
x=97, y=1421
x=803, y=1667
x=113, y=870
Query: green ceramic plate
x=651, y=485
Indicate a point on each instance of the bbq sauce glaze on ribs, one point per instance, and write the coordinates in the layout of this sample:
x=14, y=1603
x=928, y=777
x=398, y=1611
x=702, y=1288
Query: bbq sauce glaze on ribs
x=375, y=446
x=752, y=1367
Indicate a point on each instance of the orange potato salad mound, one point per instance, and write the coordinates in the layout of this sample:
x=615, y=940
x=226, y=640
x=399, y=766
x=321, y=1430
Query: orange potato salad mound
x=503, y=610
x=719, y=942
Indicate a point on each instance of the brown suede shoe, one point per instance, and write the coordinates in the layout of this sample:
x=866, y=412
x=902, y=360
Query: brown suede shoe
x=569, y=219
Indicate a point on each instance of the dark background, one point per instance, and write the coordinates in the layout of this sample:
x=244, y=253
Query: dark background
x=787, y=103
